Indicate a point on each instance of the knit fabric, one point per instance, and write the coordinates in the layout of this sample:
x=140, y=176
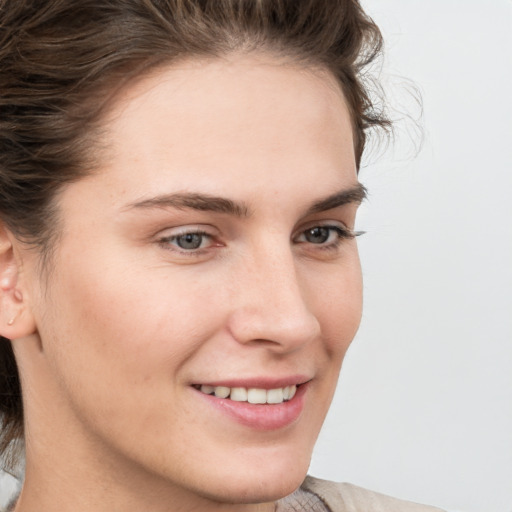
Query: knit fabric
x=300, y=501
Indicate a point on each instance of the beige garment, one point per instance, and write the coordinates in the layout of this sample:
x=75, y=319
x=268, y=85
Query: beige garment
x=350, y=498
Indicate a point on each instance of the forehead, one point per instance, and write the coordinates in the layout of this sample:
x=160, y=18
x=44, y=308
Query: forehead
x=233, y=82
x=219, y=122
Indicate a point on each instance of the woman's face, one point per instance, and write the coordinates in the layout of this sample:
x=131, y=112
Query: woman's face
x=212, y=250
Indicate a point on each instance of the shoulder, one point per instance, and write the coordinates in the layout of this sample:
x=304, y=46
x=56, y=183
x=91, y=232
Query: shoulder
x=342, y=497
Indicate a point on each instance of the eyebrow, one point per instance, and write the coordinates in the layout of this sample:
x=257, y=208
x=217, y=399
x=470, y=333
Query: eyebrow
x=210, y=203
x=194, y=201
x=353, y=195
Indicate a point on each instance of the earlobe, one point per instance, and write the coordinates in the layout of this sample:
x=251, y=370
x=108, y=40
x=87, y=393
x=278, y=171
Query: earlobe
x=16, y=319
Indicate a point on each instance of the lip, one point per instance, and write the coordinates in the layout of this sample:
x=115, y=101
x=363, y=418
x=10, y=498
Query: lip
x=259, y=382
x=262, y=417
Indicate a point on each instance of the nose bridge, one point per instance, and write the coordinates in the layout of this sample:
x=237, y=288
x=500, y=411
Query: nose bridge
x=272, y=306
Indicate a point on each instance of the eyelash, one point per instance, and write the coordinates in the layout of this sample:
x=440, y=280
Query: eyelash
x=342, y=234
x=165, y=242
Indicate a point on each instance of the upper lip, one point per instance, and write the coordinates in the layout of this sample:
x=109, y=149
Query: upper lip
x=258, y=382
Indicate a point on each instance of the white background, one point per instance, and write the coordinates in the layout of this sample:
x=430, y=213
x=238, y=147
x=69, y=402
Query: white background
x=424, y=406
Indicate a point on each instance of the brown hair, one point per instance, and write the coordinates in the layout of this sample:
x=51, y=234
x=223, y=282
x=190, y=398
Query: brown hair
x=61, y=61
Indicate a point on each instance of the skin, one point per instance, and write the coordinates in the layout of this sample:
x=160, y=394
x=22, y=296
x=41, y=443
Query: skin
x=111, y=339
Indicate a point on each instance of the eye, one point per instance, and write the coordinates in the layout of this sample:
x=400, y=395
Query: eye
x=326, y=236
x=319, y=234
x=187, y=241
x=190, y=240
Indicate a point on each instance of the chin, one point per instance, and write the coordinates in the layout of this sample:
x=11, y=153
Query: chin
x=262, y=482
x=263, y=490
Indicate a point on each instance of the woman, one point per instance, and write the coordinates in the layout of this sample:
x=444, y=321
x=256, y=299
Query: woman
x=178, y=267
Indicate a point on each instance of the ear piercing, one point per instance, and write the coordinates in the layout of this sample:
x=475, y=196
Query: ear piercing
x=19, y=297
x=12, y=320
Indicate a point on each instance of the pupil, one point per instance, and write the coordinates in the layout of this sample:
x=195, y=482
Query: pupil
x=317, y=235
x=189, y=241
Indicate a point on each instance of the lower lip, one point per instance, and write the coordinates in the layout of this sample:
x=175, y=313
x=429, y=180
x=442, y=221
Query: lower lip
x=261, y=416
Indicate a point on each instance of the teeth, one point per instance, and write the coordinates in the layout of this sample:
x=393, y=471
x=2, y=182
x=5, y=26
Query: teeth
x=275, y=396
x=208, y=389
x=256, y=396
x=251, y=395
x=238, y=394
x=222, y=392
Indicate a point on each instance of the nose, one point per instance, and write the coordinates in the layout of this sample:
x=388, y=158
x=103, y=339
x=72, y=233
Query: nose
x=270, y=304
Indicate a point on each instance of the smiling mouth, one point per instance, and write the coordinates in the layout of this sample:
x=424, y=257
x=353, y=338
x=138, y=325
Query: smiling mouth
x=250, y=395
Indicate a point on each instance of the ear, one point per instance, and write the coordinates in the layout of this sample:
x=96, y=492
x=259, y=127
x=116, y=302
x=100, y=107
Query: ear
x=16, y=319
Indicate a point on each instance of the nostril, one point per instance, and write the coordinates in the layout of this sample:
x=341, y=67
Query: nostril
x=266, y=329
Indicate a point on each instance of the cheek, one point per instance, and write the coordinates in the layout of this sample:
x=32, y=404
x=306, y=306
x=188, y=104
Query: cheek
x=115, y=325
x=135, y=317
x=118, y=345
x=338, y=304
